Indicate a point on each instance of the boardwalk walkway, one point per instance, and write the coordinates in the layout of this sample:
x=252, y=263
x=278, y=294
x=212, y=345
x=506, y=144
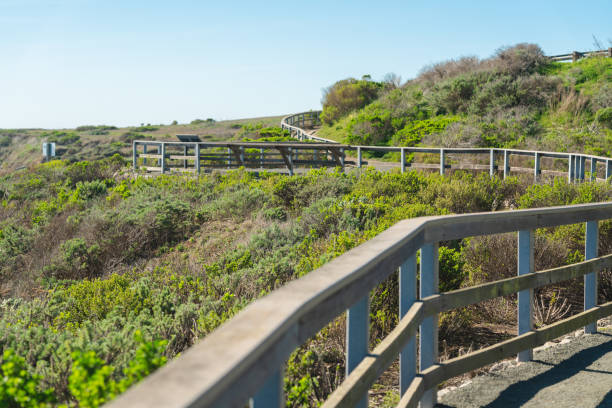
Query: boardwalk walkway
x=575, y=374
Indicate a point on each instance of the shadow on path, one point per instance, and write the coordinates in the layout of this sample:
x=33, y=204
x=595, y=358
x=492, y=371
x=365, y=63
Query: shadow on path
x=521, y=392
x=606, y=402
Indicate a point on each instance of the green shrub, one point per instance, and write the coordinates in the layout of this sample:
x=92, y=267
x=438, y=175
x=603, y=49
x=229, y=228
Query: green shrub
x=346, y=96
x=76, y=260
x=20, y=388
x=604, y=117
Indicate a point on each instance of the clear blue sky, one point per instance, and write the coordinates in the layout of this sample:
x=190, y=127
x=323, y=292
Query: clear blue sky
x=65, y=63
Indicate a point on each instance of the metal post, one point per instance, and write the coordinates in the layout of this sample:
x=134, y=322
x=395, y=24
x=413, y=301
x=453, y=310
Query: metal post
x=185, y=155
x=442, y=161
x=342, y=158
x=403, y=159
x=428, y=339
x=197, y=158
x=525, y=266
x=536, y=167
x=134, y=155
x=570, y=168
x=590, y=279
x=144, y=151
x=359, y=156
x=271, y=394
x=608, y=169
x=492, y=162
x=163, y=158
x=506, y=164
x=593, y=169
x=357, y=324
x=407, y=296
x=582, y=166
x=229, y=158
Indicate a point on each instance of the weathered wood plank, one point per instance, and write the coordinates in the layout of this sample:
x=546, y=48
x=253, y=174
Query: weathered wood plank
x=475, y=294
x=372, y=366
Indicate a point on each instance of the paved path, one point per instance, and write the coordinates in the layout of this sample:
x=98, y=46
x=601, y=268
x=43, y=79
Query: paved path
x=575, y=374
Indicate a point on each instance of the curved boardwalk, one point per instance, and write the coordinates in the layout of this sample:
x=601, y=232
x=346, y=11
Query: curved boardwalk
x=575, y=374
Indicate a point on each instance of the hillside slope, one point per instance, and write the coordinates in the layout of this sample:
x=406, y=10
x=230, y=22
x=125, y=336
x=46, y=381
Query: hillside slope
x=23, y=147
x=515, y=99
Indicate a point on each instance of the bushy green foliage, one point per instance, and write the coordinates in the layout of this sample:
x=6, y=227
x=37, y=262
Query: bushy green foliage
x=175, y=257
x=18, y=387
x=346, y=96
x=604, y=117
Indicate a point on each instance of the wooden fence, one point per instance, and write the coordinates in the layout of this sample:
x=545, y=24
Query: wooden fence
x=244, y=358
x=319, y=152
x=576, y=55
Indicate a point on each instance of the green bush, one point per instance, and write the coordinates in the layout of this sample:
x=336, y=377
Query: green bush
x=20, y=388
x=346, y=96
x=604, y=117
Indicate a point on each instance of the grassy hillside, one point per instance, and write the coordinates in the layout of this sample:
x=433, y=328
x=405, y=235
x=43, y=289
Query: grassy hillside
x=515, y=99
x=23, y=147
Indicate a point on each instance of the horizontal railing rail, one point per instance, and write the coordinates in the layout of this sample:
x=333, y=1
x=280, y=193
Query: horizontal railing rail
x=193, y=157
x=244, y=357
x=576, y=55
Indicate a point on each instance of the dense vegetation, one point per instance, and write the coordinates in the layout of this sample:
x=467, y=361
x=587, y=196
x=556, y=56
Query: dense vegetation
x=517, y=98
x=104, y=277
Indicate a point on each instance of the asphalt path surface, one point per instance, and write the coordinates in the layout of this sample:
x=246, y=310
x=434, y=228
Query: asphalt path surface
x=575, y=374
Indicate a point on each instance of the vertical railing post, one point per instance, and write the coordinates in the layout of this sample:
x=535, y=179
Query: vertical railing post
x=570, y=168
x=525, y=266
x=593, y=169
x=403, y=159
x=536, y=167
x=407, y=296
x=229, y=158
x=506, y=164
x=261, y=157
x=590, y=279
x=290, y=160
x=357, y=336
x=271, y=394
x=342, y=155
x=163, y=158
x=492, y=162
x=242, y=163
x=358, y=156
x=185, y=156
x=442, y=163
x=582, y=167
x=197, y=158
x=135, y=155
x=144, y=151
x=608, y=169
x=428, y=339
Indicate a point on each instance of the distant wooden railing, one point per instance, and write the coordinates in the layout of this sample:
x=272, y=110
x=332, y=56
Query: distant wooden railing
x=576, y=55
x=244, y=358
x=162, y=157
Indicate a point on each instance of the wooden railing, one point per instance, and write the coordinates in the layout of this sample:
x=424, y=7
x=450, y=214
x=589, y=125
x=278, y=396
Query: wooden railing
x=244, y=358
x=193, y=157
x=576, y=55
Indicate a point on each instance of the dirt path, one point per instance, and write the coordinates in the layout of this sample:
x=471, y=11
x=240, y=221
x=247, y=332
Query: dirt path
x=575, y=373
